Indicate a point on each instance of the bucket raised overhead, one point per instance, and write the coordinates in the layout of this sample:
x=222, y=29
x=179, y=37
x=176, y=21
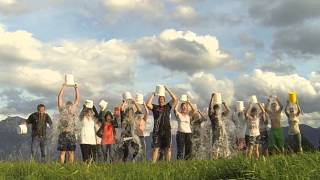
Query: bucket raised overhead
x=292, y=97
x=160, y=90
x=184, y=98
x=240, y=106
x=69, y=80
x=126, y=95
x=139, y=98
x=88, y=104
x=103, y=105
x=253, y=99
x=22, y=129
x=217, y=98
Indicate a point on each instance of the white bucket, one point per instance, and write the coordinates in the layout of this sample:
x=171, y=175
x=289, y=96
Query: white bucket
x=88, y=104
x=184, y=98
x=240, y=106
x=22, y=129
x=160, y=90
x=217, y=98
x=69, y=80
x=139, y=98
x=126, y=95
x=253, y=99
x=103, y=105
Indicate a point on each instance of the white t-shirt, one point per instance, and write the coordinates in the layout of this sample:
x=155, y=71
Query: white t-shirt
x=88, y=134
x=253, y=126
x=184, y=125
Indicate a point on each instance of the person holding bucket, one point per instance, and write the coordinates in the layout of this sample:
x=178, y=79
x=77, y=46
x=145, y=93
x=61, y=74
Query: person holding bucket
x=218, y=111
x=184, y=133
x=161, y=137
x=293, y=111
x=239, y=119
x=67, y=125
x=39, y=121
x=276, y=137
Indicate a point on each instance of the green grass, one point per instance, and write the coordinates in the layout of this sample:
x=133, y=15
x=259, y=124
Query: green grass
x=306, y=166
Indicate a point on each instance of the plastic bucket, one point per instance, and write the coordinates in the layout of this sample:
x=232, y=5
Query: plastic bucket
x=217, y=98
x=240, y=106
x=253, y=99
x=139, y=98
x=88, y=104
x=160, y=90
x=127, y=95
x=184, y=98
x=22, y=129
x=103, y=105
x=69, y=80
x=292, y=97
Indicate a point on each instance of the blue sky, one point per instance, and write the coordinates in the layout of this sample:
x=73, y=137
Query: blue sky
x=235, y=47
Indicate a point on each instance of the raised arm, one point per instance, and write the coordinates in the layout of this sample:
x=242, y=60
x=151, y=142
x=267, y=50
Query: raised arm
x=211, y=104
x=268, y=104
x=261, y=108
x=149, y=102
x=286, y=109
x=176, y=109
x=249, y=117
x=299, y=110
x=193, y=108
x=173, y=96
x=137, y=106
x=280, y=104
x=146, y=112
x=226, y=109
x=77, y=95
x=60, y=97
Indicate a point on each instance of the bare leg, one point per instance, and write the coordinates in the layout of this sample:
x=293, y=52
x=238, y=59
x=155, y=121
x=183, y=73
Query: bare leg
x=256, y=150
x=155, y=153
x=168, y=154
x=62, y=157
x=71, y=156
x=250, y=149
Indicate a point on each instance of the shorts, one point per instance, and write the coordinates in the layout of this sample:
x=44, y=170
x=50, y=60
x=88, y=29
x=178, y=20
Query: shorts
x=252, y=140
x=263, y=140
x=294, y=142
x=66, y=142
x=161, y=140
x=276, y=139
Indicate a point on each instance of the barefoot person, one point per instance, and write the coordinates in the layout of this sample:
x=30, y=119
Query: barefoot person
x=184, y=133
x=294, y=140
x=161, y=137
x=141, y=119
x=67, y=125
x=276, y=137
x=253, y=120
x=39, y=121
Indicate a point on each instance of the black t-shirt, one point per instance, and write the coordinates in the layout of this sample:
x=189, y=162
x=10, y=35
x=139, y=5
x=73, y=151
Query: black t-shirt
x=161, y=116
x=39, y=123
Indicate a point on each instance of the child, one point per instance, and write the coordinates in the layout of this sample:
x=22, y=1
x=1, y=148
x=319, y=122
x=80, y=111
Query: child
x=141, y=119
x=107, y=132
x=253, y=120
x=292, y=112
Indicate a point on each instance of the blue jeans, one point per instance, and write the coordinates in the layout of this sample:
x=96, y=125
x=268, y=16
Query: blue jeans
x=107, y=152
x=37, y=142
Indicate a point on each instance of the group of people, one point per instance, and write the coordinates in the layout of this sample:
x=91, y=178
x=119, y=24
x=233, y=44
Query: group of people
x=96, y=132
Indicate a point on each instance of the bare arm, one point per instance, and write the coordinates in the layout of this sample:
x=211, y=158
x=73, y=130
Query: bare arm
x=60, y=97
x=280, y=104
x=261, y=108
x=173, y=96
x=146, y=112
x=136, y=105
x=226, y=109
x=149, y=102
x=77, y=96
x=299, y=110
x=286, y=109
x=268, y=104
x=193, y=109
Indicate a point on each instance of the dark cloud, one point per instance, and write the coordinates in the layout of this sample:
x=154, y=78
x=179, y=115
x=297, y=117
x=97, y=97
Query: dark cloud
x=285, y=12
x=279, y=67
x=297, y=40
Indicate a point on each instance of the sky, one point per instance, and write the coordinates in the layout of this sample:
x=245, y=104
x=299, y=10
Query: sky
x=238, y=48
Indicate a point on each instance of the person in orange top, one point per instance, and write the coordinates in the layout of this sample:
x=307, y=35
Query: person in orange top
x=107, y=133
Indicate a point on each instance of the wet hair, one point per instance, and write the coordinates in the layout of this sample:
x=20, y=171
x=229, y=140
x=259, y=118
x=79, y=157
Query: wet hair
x=40, y=106
x=108, y=113
x=163, y=98
x=69, y=103
x=182, y=104
x=254, y=110
x=216, y=106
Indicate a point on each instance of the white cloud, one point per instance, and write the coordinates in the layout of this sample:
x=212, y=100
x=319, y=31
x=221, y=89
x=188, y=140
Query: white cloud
x=185, y=13
x=182, y=51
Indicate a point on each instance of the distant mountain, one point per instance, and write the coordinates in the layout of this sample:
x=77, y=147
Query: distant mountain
x=310, y=133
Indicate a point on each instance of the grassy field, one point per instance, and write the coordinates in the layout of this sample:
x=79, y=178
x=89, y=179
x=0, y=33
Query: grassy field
x=305, y=166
